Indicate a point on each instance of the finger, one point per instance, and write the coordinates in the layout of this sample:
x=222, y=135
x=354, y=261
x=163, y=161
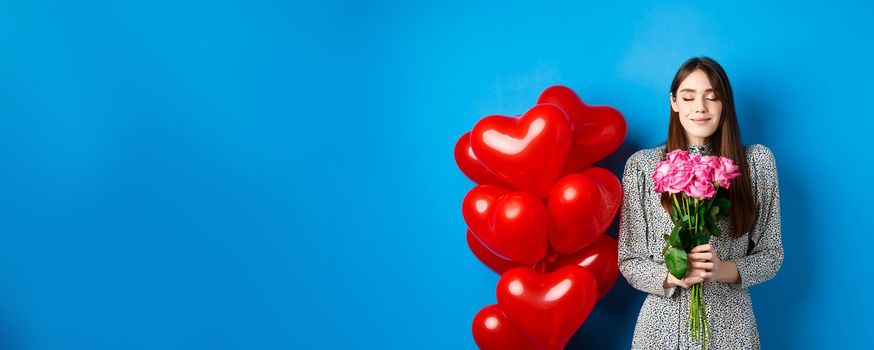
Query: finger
x=702, y=248
x=694, y=271
x=700, y=256
x=702, y=265
x=691, y=280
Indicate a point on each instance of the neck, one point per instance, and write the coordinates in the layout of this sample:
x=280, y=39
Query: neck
x=697, y=141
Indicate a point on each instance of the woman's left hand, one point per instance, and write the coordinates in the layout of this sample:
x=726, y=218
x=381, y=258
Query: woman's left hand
x=704, y=258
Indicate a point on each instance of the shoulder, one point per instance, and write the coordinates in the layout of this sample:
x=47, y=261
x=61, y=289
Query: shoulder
x=762, y=166
x=642, y=162
x=759, y=155
x=647, y=155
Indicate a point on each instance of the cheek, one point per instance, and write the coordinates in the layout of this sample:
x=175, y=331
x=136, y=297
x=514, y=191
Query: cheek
x=686, y=109
x=717, y=110
x=717, y=120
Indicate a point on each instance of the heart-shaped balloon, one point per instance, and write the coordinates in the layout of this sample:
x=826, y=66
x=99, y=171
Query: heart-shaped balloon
x=582, y=206
x=526, y=152
x=547, y=308
x=512, y=225
x=597, y=130
x=494, y=262
x=600, y=258
x=470, y=165
x=491, y=331
x=478, y=206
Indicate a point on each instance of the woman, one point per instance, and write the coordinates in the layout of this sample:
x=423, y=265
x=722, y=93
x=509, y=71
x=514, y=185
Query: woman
x=750, y=250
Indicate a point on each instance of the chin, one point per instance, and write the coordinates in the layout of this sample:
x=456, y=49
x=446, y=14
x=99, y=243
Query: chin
x=703, y=135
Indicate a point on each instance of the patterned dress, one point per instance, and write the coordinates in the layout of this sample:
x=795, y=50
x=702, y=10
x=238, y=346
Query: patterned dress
x=663, y=319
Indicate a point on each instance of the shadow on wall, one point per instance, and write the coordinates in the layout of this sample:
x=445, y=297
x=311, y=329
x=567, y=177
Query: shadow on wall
x=8, y=334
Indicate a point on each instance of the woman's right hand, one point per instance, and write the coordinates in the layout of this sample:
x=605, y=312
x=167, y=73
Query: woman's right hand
x=693, y=276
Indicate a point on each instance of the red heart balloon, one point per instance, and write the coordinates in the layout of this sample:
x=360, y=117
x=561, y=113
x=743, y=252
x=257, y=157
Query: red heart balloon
x=478, y=206
x=519, y=228
x=526, y=152
x=582, y=206
x=601, y=258
x=512, y=225
x=548, y=308
x=471, y=166
x=597, y=130
x=494, y=262
x=491, y=331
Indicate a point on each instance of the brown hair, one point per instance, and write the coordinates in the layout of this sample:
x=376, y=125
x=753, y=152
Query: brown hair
x=725, y=141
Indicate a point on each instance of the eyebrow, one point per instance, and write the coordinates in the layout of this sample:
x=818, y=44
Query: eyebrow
x=693, y=90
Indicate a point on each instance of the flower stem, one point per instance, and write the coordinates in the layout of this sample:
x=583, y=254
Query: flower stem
x=686, y=206
x=699, y=327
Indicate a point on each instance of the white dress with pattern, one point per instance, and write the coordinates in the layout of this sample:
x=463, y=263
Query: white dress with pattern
x=663, y=319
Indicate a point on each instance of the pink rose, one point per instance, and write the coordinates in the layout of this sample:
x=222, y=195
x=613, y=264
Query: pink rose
x=703, y=169
x=693, y=174
x=729, y=166
x=677, y=156
x=662, y=170
x=678, y=180
x=725, y=171
x=700, y=189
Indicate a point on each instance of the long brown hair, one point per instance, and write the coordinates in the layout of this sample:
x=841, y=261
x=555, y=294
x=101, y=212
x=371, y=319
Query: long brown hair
x=725, y=141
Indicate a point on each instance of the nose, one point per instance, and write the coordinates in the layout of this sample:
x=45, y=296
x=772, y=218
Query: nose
x=700, y=107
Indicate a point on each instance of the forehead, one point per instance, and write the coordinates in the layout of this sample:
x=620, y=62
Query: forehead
x=697, y=81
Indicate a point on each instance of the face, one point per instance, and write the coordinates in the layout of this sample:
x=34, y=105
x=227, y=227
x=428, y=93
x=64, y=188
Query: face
x=699, y=109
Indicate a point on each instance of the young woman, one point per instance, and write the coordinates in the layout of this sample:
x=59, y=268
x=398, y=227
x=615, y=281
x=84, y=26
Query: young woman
x=750, y=250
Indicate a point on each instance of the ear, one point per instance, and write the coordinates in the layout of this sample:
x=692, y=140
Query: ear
x=673, y=100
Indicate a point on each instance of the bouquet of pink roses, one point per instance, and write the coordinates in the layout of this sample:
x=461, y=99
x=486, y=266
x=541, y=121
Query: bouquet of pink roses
x=693, y=181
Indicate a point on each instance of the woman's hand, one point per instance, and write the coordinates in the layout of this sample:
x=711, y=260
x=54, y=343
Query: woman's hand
x=686, y=282
x=703, y=265
x=704, y=262
x=704, y=258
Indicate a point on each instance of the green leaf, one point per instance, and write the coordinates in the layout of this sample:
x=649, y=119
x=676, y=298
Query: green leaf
x=723, y=203
x=674, y=237
x=675, y=215
x=708, y=220
x=676, y=261
x=715, y=230
x=685, y=238
x=702, y=237
x=712, y=214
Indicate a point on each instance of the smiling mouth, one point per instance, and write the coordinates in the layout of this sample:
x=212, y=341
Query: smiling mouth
x=700, y=119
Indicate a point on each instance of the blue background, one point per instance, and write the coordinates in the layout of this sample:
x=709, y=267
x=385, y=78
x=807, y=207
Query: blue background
x=265, y=175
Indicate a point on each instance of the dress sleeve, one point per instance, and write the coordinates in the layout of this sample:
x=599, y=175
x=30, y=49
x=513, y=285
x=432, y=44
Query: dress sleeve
x=635, y=261
x=766, y=256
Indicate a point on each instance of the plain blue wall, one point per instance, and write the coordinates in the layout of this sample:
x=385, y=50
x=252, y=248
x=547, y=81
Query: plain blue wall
x=259, y=175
